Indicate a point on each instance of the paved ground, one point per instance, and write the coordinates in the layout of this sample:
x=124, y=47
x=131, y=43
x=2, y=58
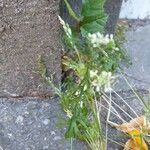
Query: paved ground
x=31, y=124
x=138, y=48
x=138, y=74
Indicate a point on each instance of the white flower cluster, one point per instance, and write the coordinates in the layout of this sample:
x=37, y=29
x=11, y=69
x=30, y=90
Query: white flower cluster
x=66, y=28
x=101, y=81
x=98, y=39
x=69, y=113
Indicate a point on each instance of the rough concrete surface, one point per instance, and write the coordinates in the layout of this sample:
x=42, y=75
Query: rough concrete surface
x=138, y=48
x=28, y=28
x=31, y=124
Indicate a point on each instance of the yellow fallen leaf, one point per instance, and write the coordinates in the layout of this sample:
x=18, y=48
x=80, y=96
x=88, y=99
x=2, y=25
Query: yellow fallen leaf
x=132, y=145
x=136, y=142
x=135, y=128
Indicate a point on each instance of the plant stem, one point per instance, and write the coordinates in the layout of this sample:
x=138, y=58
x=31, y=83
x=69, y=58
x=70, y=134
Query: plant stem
x=71, y=143
x=71, y=12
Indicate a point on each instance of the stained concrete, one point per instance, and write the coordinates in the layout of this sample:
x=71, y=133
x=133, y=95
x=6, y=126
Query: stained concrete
x=138, y=76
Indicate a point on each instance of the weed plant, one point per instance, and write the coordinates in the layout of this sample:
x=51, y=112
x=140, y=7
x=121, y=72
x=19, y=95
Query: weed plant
x=91, y=59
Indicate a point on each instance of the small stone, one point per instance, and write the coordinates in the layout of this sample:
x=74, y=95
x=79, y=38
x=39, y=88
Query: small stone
x=53, y=133
x=46, y=121
x=56, y=138
x=45, y=147
x=19, y=120
x=26, y=113
x=9, y=135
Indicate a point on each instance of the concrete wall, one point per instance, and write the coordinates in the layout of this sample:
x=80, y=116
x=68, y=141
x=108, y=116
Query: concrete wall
x=28, y=28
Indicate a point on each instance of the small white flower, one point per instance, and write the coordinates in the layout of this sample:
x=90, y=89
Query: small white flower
x=102, y=81
x=81, y=104
x=99, y=35
x=111, y=36
x=89, y=35
x=85, y=88
x=94, y=45
x=77, y=93
x=93, y=73
x=116, y=49
x=97, y=88
x=69, y=113
x=98, y=39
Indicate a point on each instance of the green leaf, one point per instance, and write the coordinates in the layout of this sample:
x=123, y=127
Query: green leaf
x=94, y=17
x=72, y=129
x=92, y=7
x=94, y=26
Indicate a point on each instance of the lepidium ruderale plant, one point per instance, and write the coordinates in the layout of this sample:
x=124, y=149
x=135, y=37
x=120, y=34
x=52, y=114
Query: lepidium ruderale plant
x=89, y=62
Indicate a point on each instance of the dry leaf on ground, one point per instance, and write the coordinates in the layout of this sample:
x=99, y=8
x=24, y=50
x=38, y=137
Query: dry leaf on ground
x=135, y=128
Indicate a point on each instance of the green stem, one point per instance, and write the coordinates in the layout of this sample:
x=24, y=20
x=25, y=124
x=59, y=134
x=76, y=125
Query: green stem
x=71, y=143
x=77, y=52
x=71, y=12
